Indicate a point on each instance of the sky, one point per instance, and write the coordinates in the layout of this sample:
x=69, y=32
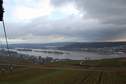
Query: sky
x=46, y=21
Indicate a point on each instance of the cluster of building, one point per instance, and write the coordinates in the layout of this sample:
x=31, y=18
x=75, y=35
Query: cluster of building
x=41, y=60
x=45, y=60
x=17, y=57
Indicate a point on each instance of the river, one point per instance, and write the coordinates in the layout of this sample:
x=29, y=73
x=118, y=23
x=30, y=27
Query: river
x=74, y=55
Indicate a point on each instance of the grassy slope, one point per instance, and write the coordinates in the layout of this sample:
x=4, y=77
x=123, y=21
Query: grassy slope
x=35, y=74
x=64, y=77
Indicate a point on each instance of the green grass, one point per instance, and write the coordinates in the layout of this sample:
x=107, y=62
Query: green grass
x=115, y=62
x=38, y=74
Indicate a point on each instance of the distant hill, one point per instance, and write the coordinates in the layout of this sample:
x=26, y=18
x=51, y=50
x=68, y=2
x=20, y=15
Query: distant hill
x=70, y=45
x=79, y=45
x=39, y=46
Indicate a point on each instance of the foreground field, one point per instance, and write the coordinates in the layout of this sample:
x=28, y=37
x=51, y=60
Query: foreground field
x=64, y=73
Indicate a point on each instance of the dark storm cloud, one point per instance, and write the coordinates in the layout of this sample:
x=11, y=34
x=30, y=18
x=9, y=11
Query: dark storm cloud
x=103, y=20
x=107, y=11
x=107, y=34
x=75, y=30
x=111, y=15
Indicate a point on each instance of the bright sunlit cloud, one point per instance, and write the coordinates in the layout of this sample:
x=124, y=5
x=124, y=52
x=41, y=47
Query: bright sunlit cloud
x=42, y=8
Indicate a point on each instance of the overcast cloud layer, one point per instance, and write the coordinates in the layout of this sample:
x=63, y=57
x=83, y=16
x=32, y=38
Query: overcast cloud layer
x=41, y=21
